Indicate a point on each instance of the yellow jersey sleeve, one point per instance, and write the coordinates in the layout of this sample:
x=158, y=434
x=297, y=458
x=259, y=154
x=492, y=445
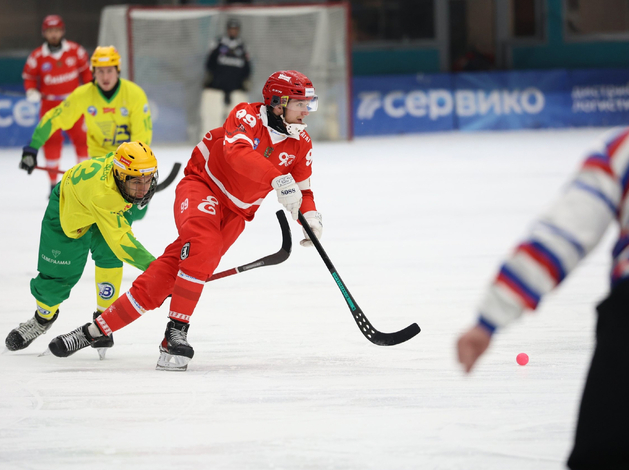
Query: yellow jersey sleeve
x=89, y=195
x=63, y=116
x=140, y=115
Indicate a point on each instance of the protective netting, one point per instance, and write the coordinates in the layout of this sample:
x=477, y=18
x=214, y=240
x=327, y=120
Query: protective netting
x=164, y=51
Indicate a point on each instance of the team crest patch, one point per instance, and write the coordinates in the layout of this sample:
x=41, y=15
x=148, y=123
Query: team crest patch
x=124, y=111
x=92, y=111
x=185, y=251
x=106, y=290
x=256, y=142
x=146, y=108
x=268, y=152
x=46, y=67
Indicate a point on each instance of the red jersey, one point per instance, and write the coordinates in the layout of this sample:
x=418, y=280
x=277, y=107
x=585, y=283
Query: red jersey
x=239, y=160
x=57, y=74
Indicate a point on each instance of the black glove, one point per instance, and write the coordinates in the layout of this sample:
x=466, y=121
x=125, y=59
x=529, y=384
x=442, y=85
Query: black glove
x=29, y=159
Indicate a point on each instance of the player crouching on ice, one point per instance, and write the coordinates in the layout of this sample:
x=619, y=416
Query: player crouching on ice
x=261, y=147
x=87, y=212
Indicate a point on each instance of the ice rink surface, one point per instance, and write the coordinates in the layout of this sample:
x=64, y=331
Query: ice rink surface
x=282, y=378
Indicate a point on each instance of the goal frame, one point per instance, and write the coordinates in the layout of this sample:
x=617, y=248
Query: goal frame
x=228, y=8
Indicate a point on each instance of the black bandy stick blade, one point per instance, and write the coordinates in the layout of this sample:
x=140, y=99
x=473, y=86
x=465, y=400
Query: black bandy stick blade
x=391, y=339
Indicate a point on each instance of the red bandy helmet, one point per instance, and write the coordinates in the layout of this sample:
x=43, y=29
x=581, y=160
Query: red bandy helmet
x=52, y=21
x=285, y=85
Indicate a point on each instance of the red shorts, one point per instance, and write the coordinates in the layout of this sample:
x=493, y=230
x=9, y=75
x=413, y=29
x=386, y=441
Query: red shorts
x=206, y=229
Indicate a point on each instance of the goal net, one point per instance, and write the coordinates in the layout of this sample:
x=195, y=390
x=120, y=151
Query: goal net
x=163, y=49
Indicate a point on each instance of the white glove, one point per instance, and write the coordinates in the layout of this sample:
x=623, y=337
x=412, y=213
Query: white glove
x=315, y=221
x=33, y=95
x=288, y=193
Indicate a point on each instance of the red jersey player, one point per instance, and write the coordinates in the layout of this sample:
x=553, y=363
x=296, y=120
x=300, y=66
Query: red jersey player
x=51, y=73
x=261, y=147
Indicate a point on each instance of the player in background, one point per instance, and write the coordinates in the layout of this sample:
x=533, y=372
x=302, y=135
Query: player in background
x=559, y=239
x=262, y=147
x=87, y=213
x=227, y=71
x=115, y=111
x=51, y=73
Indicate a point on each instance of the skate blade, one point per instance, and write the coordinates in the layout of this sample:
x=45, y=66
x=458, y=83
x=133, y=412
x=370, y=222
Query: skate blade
x=101, y=353
x=47, y=352
x=172, y=363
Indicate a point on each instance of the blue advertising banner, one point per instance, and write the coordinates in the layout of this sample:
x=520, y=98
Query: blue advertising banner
x=599, y=97
x=18, y=118
x=511, y=100
x=402, y=103
x=398, y=104
x=490, y=100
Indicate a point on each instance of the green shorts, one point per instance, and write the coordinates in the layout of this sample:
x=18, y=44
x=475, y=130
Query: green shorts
x=62, y=259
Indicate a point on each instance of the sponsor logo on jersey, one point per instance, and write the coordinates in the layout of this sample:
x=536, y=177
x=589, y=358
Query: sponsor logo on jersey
x=256, y=142
x=63, y=78
x=185, y=250
x=92, y=111
x=229, y=61
x=54, y=261
x=286, y=159
x=207, y=205
x=106, y=290
x=268, y=152
x=56, y=253
x=70, y=61
x=46, y=67
x=124, y=112
x=109, y=110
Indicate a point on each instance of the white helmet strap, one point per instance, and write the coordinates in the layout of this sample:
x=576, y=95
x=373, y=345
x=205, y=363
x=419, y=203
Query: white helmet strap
x=294, y=129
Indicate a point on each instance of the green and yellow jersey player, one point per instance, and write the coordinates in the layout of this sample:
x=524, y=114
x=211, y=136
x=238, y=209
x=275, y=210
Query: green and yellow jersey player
x=88, y=211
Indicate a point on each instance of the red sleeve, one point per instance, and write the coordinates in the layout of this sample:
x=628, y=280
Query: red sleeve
x=82, y=65
x=30, y=73
x=302, y=171
x=242, y=126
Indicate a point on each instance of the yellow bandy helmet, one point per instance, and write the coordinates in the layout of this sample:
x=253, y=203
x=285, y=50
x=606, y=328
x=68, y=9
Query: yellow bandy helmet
x=105, y=56
x=132, y=160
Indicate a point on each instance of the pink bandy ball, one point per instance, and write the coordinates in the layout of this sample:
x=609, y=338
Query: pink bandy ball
x=522, y=359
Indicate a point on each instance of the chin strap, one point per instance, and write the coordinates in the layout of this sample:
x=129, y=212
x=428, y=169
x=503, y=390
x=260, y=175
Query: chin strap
x=280, y=125
x=294, y=129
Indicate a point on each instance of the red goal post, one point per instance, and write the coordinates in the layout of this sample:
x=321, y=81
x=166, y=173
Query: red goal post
x=163, y=50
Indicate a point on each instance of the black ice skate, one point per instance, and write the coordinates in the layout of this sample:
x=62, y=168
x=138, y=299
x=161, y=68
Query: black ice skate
x=102, y=343
x=26, y=333
x=68, y=344
x=175, y=351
